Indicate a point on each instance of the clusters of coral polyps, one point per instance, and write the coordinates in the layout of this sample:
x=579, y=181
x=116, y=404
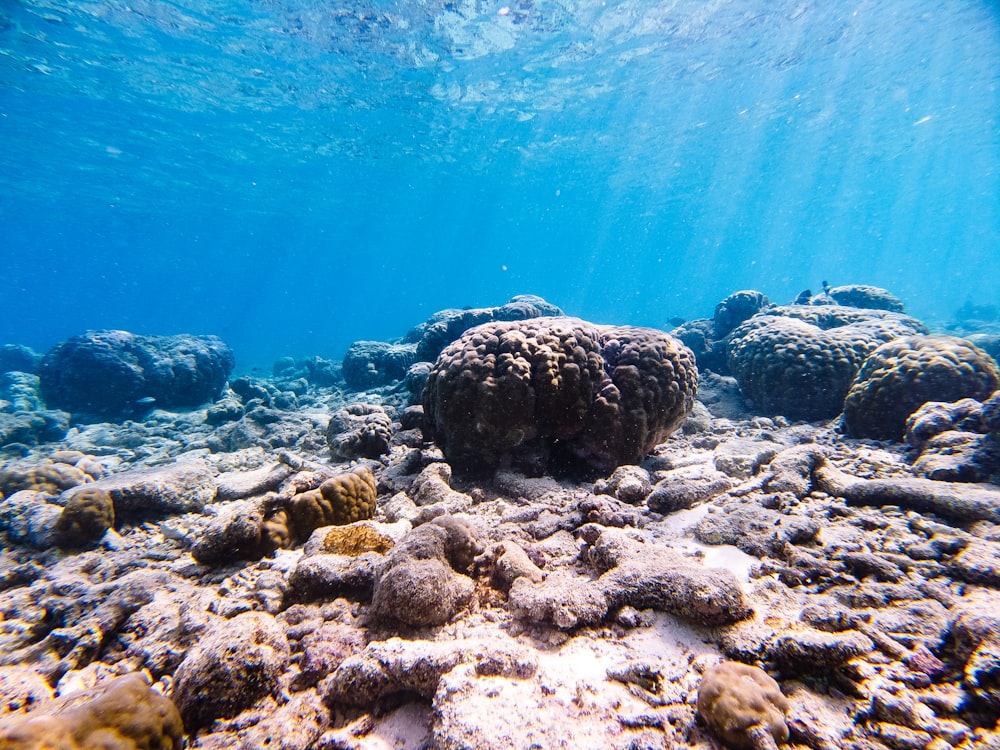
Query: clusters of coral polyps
x=340, y=500
x=557, y=392
x=799, y=360
x=906, y=373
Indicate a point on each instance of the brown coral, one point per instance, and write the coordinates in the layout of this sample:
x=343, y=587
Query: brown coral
x=50, y=478
x=743, y=706
x=88, y=514
x=902, y=375
x=557, y=392
x=342, y=499
x=359, y=431
x=799, y=360
x=123, y=714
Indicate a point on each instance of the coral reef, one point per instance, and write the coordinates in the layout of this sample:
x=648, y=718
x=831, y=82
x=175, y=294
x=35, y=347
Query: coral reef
x=557, y=390
x=527, y=605
x=117, y=374
x=799, y=361
x=900, y=376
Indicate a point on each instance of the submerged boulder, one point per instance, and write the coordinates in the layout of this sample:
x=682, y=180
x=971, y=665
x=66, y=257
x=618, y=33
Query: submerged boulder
x=118, y=375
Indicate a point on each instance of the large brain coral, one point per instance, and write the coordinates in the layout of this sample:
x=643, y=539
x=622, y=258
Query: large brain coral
x=800, y=360
x=557, y=391
x=902, y=375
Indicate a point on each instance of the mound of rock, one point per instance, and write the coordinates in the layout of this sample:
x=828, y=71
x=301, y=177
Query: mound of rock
x=557, y=392
x=117, y=374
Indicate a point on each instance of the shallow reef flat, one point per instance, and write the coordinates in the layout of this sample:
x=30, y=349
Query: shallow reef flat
x=301, y=564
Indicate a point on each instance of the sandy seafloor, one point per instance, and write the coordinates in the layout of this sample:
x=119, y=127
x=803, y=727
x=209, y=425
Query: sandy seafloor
x=879, y=623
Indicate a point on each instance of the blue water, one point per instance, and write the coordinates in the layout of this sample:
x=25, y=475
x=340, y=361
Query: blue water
x=294, y=175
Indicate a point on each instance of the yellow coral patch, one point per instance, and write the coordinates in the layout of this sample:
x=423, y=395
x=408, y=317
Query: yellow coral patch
x=355, y=539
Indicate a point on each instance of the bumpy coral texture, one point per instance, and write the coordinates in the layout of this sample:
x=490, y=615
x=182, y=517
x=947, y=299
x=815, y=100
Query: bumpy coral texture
x=359, y=430
x=340, y=500
x=902, y=375
x=123, y=714
x=86, y=517
x=743, y=706
x=735, y=309
x=51, y=478
x=368, y=364
x=869, y=297
x=800, y=360
x=557, y=391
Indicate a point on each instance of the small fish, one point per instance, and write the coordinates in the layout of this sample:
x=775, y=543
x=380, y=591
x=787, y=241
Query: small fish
x=826, y=288
x=145, y=401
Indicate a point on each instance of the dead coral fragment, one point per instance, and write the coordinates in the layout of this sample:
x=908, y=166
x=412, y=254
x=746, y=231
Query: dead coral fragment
x=123, y=714
x=743, y=706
